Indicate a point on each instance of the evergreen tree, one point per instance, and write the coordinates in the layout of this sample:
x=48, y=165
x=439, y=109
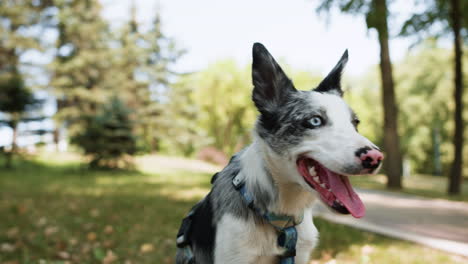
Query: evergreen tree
x=18, y=19
x=143, y=76
x=16, y=103
x=108, y=138
x=81, y=70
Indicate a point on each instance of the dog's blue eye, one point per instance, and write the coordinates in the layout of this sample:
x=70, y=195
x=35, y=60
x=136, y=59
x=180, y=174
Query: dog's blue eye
x=316, y=121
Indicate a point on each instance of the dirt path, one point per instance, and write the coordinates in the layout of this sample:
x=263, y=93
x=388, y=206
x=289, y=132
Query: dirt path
x=436, y=223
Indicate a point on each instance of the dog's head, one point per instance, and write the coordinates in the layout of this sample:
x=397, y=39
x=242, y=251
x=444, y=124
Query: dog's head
x=314, y=133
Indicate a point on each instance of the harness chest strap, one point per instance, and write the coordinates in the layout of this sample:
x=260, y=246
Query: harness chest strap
x=285, y=225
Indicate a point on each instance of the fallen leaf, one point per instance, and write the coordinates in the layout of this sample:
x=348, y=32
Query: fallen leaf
x=108, y=229
x=91, y=236
x=42, y=221
x=86, y=248
x=108, y=243
x=147, y=247
x=73, y=241
x=88, y=226
x=50, y=230
x=12, y=232
x=110, y=257
x=94, y=213
x=6, y=247
x=63, y=255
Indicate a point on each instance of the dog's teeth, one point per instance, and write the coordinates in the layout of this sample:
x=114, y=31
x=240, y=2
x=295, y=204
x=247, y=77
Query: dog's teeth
x=322, y=185
x=316, y=178
x=312, y=171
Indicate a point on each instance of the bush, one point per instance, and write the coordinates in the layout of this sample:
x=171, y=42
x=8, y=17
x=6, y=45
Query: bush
x=108, y=138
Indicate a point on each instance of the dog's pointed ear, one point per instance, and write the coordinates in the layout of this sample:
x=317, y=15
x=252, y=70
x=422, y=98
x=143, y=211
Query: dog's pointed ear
x=332, y=83
x=271, y=85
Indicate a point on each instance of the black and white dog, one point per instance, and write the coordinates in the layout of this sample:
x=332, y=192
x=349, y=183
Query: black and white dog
x=305, y=147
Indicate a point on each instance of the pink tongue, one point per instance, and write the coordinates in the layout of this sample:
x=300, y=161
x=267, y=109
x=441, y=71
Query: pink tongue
x=343, y=190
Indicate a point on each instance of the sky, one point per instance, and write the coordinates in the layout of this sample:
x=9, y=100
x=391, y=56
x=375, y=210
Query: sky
x=291, y=30
x=210, y=30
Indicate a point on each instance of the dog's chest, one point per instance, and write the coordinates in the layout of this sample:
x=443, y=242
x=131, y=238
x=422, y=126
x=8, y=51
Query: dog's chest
x=250, y=242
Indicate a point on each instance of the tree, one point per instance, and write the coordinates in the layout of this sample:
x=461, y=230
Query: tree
x=108, y=136
x=80, y=73
x=143, y=74
x=425, y=135
x=18, y=19
x=16, y=103
x=453, y=16
x=222, y=93
x=180, y=118
x=376, y=13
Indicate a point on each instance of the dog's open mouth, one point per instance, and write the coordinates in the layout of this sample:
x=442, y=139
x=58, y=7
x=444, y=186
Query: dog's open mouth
x=335, y=190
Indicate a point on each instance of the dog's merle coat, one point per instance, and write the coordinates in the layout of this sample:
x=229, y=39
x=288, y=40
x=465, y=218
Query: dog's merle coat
x=224, y=230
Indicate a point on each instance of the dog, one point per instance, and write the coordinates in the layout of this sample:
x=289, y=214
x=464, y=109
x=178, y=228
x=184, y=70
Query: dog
x=305, y=147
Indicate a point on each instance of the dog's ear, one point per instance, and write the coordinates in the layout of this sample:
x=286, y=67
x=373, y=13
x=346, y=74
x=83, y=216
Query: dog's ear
x=271, y=85
x=332, y=83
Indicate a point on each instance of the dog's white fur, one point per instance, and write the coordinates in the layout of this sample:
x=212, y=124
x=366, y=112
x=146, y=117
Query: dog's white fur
x=240, y=241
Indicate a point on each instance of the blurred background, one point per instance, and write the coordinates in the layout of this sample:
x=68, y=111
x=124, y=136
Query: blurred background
x=115, y=114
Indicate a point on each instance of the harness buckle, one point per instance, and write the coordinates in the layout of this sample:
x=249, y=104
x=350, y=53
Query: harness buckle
x=238, y=182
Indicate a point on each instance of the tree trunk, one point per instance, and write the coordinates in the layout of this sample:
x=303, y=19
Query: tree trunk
x=456, y=170
x=9, y=155
x=14, y=139
x=393, y=160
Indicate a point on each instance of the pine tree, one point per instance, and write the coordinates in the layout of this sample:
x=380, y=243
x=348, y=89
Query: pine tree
x=16, y=19
x=144, y=61
x=108, y=138
x=81, y=70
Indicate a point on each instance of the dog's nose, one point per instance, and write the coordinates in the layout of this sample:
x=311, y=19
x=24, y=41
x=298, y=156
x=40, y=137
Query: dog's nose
x=369, y=157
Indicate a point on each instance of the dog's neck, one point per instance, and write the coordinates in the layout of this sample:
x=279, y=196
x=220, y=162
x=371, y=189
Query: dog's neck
x=266, y=176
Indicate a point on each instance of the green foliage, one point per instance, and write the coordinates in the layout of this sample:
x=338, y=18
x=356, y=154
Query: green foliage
x=432, y=18
x=81, y=67
x=371, y=10
x=423, y=79
x=142, y=73
x=222, y=94
x=95, y=62
x=14, y=97
x=179, y=121
x=17, y=17
x=108, y=138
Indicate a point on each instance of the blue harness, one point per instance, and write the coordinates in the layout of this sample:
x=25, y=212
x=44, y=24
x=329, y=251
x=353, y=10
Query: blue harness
x=285, y=225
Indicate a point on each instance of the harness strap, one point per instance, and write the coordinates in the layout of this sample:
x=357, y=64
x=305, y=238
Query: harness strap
x=285, y=225
x=183, y=240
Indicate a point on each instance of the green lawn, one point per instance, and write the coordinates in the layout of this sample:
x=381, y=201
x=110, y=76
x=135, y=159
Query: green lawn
x=52, y=209
x=422, y=185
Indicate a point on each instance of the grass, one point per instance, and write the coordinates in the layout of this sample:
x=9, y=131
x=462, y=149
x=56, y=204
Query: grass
x=421, y=185
x=55, y=211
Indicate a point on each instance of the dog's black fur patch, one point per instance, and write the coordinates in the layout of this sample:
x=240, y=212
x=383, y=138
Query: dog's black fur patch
x=203, y=230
